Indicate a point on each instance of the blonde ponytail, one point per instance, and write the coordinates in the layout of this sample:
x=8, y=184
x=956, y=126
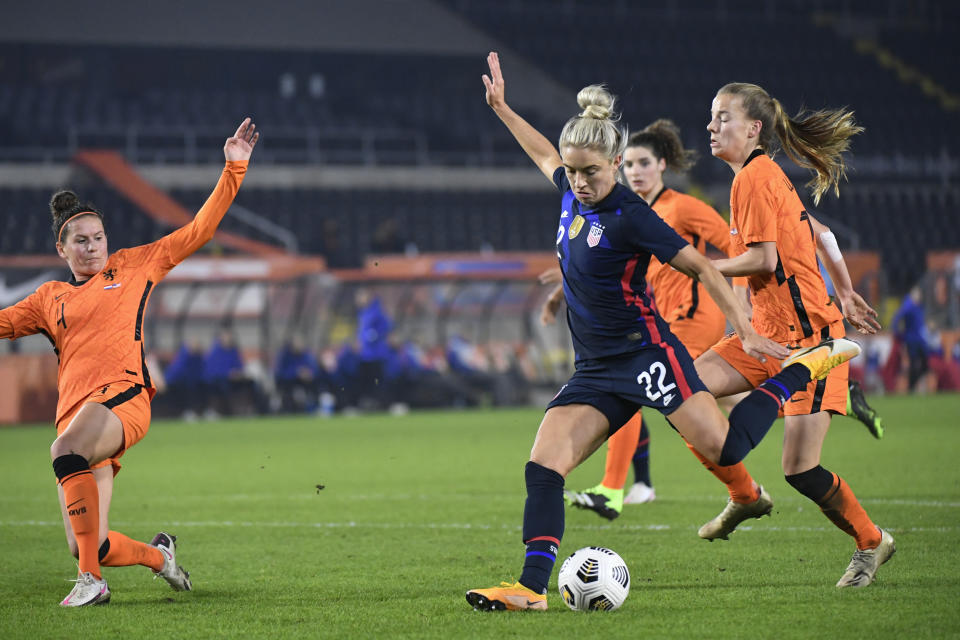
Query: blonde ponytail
x=817, y=140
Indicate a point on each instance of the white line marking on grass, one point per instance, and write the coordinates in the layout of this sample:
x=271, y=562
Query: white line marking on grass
x=423, y=497
x=226, y=524
x=797, y=499
x=913, y=503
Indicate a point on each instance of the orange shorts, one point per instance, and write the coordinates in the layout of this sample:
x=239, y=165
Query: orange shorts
x=829, y=394
x=700, y=332
x=130, y=402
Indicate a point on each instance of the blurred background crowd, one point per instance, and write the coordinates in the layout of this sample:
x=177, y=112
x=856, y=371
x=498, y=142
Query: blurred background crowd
x=369, y=373
x=384, y=250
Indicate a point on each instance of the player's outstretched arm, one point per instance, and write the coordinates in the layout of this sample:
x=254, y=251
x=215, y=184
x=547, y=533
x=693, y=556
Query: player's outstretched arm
x=689, y=261
x=540, y=150
x=858, y=313
x=236, y=150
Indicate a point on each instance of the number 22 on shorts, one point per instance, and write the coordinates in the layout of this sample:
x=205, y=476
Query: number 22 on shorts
x=645, y=379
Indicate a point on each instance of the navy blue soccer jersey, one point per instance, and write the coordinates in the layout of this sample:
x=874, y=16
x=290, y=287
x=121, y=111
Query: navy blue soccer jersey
x=604, y=252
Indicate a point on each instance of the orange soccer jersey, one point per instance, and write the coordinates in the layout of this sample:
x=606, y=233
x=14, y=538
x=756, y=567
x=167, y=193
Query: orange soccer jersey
x=96, y=327
x=680, y=299
x=792, y=303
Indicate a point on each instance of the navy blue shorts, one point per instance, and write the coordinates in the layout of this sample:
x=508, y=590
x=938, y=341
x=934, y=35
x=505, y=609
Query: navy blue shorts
x=659, y=377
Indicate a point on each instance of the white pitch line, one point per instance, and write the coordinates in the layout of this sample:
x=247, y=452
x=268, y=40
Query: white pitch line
x=913, y=503
x=449, y=525
x=780, y=500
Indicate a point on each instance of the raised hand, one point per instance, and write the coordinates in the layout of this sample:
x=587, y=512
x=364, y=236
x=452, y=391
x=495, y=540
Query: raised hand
x=496, y=96
x=241, y=144
x=859, y=314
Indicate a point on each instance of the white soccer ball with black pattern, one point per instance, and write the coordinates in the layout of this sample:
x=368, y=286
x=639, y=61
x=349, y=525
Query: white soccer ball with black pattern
x=594, y=579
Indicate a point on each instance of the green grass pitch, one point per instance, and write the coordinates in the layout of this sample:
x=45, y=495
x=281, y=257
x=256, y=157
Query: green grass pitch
x=416, y=510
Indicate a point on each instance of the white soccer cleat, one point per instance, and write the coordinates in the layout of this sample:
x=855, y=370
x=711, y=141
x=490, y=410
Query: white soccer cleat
x=88, y=590
x=865, y=562
x=175, y=575
x=735, y=513
x=640, y=493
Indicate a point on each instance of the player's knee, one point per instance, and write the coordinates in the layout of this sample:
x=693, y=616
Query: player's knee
x=62, y=446
x=813, y=483
x=709, y=444
x=712, y=452
x=58, y=449
x=557, y=463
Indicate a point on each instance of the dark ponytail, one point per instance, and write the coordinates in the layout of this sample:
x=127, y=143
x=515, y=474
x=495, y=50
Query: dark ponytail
x=662, y=138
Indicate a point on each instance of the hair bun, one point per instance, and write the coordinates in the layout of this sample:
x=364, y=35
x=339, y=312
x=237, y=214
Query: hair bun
x=596, y=102
x=663, y=126
x=63, y=201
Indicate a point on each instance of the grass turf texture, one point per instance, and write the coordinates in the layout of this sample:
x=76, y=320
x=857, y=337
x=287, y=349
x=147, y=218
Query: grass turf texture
x=418, y=509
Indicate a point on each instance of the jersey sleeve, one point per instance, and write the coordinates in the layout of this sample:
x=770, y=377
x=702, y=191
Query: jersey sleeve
x=756, y=204
x=175, y=247
x=22, y=319
x=713, y=228
x=645, y=230
x=560, y=179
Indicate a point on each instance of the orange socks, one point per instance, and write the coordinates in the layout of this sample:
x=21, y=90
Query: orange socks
x=739, y=483
x=844, y=510
x=83, y=508
x=124, y=552
x=82, y=499
x=623, y=443
x=620, y=448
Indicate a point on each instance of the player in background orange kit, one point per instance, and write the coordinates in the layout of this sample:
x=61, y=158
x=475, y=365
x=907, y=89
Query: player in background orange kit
x=95, y=324
x=774, y=244
x=694, y=318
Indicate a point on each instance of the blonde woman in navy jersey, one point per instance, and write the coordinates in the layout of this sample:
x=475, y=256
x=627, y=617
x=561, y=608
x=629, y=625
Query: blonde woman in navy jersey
x=626, y=356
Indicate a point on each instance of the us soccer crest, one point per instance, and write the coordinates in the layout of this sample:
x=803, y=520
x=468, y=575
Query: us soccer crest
x=593, y=239
x=575, y=225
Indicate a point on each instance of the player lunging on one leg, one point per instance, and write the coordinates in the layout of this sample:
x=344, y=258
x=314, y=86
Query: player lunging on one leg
x=95, y=324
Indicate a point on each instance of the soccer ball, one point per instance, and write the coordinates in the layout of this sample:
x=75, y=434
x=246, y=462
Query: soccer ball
x=594, y=579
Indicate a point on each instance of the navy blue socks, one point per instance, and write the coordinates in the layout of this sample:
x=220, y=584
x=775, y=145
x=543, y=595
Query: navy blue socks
x=641, y=457
x=542, y=525
x=752, y=417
